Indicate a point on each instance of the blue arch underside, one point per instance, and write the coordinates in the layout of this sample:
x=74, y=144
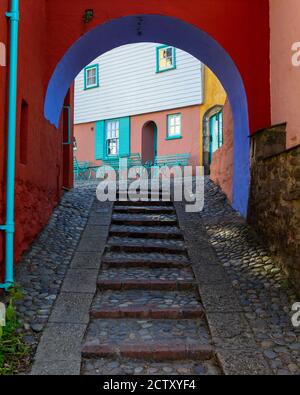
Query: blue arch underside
x=174, y=32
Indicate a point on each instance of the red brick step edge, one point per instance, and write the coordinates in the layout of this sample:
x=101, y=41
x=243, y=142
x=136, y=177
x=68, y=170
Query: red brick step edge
x=148, y=312
x=166, y=285
x=155, y=352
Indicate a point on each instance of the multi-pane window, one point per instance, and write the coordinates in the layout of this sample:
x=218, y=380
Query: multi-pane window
x=91, y=77
x=166, y=58
x=112, y=138
x=174, y=125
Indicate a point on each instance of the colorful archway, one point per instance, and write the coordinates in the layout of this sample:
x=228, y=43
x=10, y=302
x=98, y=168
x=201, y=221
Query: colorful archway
x=174, y=32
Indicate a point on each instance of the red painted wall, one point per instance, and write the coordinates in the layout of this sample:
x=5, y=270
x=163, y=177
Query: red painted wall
x=230, y=22
x=3, y=99
x=36, y=186
x=39, y=181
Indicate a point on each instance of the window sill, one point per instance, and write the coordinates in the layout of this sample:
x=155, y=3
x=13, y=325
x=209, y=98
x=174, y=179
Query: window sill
x=173, y=138
x=91, y=87
x=164, y=70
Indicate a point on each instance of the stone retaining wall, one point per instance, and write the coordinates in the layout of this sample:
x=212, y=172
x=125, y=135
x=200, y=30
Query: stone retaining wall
x=274, y=206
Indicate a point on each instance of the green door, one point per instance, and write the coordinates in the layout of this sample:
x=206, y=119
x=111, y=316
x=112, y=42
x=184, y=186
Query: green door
x=216, y=133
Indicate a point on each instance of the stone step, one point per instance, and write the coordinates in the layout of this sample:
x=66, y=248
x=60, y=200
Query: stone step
x=151, y=260
x=147, y=304
x=157, y=339
x=157, y=352
x=144, y=284
x=145, y=245
x=159, y=232
x=144, y=209
x=123, y=366
x=144, y=274
x=144, y=195
x=144, y=203
x=144, y=219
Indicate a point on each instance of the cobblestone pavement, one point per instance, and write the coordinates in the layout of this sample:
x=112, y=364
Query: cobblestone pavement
x=261, y=286
x=146, y=292
x=43, y=268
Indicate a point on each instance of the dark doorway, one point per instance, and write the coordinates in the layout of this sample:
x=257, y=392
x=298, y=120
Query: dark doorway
x=68, y=142
x=149, y=142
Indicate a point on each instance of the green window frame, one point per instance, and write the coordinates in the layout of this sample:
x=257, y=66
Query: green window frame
x=112, y=138
x=174, y=126
x=91, y=77
x=165, y=54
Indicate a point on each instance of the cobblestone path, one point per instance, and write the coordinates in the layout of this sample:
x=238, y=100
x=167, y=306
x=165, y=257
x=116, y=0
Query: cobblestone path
x=44, y=266
x=177, y=292
x=147, y=316
x=261, y=286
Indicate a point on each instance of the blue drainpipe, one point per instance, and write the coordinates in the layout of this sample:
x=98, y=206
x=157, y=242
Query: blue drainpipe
x=9, y=227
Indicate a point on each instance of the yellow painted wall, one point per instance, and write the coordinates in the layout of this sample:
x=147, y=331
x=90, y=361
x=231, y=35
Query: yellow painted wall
x=214, y=94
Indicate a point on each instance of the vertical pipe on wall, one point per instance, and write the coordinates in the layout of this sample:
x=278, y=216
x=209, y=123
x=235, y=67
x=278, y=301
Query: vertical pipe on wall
x=13, y=16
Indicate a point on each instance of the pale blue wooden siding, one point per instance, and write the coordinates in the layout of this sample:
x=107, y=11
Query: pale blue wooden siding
x=130, y=85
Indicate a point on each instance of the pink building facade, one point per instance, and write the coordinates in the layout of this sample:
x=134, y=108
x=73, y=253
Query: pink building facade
x=149, y=136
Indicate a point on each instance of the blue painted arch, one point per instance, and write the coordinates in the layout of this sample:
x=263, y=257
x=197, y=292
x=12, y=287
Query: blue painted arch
x=174, y=32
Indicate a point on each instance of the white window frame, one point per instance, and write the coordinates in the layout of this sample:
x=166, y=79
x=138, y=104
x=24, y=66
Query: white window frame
x=174, y=121
x=88, y=69
x=112, y=136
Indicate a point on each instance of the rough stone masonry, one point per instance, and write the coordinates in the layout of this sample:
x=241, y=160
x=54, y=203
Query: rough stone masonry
x=274, y=206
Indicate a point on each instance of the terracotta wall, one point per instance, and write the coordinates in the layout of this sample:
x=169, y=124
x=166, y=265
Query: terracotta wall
x=221, y=169
x=189, y=143
x=85, y=139
x=285, y=78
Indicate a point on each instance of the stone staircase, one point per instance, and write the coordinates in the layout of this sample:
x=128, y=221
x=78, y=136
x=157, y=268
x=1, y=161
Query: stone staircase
x=147, y=316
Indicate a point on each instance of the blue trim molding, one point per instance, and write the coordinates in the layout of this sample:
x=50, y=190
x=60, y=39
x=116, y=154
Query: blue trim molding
x=173, y=137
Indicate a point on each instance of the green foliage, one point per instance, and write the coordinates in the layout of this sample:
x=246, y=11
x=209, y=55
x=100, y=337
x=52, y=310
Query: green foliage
x=12, y=346
x=16, y=292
